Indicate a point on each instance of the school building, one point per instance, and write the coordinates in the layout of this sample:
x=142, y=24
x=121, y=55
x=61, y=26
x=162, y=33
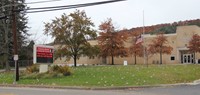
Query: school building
x=180, y=54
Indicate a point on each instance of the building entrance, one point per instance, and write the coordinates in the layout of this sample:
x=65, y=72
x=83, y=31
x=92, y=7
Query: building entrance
x=187, y=58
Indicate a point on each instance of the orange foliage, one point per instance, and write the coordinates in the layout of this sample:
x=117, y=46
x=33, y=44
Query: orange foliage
x=148, y=29
x=158, y=46
x=194, y=44
x=111, y=42
x=136, y=49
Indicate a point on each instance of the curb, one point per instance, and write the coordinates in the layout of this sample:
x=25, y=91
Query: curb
x=98, y=88
x=197, y=81
x=43, y=86
x=77, y=88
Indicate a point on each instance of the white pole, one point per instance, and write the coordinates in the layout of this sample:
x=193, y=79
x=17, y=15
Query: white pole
x=143, y=30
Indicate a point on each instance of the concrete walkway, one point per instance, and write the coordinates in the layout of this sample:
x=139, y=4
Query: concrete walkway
x=2, y=70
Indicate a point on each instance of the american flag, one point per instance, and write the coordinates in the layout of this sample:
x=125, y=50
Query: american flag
x=139, y=39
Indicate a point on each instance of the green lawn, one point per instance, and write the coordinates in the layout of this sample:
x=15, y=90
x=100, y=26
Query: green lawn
x=108, y=76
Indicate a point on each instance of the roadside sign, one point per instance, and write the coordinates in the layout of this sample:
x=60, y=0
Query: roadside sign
x=16, y=57
x=43, y=54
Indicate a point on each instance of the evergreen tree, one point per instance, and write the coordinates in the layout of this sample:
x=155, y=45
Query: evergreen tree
x=6, y=40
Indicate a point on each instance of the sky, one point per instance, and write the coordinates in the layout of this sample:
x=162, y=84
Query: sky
x=126, y=14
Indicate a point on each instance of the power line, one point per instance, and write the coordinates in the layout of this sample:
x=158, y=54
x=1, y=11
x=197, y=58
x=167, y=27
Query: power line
x=42, y=1
x=55, y=8
x=45, y=9
x=9, y=5
x=94, y=3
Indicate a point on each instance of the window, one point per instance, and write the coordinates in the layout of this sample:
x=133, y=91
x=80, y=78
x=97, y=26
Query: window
x=172, y=58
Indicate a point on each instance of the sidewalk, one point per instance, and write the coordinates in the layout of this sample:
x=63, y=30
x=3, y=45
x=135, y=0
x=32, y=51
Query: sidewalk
x=2, y=70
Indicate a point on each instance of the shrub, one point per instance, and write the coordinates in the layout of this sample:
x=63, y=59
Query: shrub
x=54, y=68
x=32, y=69
x=54, y=71
x=65, y=70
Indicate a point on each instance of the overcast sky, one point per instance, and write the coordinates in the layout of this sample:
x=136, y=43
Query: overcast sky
x=125, y=14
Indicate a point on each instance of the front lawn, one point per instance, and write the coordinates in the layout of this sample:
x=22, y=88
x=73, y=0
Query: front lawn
x=109, y=76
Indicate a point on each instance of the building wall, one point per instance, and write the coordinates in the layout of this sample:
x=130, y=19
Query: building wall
x=179, y=42
x=185, y=33
x=154, y=59
x=84, y=60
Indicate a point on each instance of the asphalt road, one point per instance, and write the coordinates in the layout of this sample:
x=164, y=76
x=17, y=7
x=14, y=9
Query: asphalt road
x=38, y=91
x=173, y=90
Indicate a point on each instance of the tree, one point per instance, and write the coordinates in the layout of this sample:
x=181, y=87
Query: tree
x=111, y=41
x=70, y=32
x=27, y=51
x=194, y=44
x=158, y=46
x=6, y=41
x=136, y=49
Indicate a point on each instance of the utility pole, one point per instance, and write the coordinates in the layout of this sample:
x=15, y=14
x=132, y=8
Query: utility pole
x=14, y=30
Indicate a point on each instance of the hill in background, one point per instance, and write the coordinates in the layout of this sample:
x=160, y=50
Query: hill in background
x=165, y=28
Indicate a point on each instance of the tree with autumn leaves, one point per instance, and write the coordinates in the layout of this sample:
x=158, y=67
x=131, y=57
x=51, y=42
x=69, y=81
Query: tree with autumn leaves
x=136, y=49
x=194, y=44
x=111, y=41
x=70, y=32
x=158, y=45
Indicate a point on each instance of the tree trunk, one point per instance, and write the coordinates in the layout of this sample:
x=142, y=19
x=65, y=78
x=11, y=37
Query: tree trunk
x=112, y=60
x=161, y=56
x=194, y=58
x=147, y=60
x=6, y=49
x=135, y=59
x=75, y=60
x=7, y=66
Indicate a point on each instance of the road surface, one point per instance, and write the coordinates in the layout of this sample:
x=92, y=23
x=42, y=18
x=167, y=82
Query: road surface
x=173, y=90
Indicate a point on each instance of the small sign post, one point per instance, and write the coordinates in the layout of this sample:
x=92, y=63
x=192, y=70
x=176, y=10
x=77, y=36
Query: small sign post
x=125, y=63
x=15, y=59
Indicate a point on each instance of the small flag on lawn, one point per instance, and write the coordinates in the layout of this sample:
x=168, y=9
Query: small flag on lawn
x=139, y=39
